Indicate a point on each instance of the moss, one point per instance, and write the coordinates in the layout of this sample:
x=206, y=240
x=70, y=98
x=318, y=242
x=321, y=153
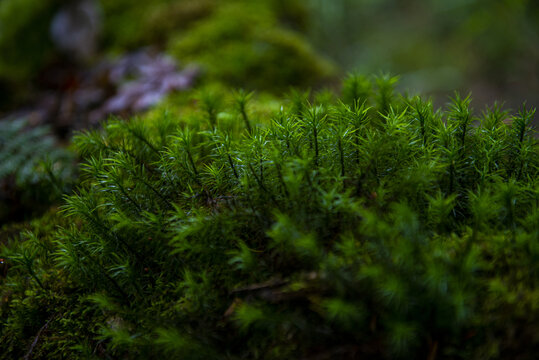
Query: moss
x=247, y=44
x=24, y=44
x=242, y=45
x=380, y=228
x=24, y=37
x=129, y=26
x=34, y=171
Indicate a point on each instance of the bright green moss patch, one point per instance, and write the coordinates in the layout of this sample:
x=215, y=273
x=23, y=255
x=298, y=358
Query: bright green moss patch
x=374, y=226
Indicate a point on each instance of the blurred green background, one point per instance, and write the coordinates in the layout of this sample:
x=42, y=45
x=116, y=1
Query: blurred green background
x=488, y=47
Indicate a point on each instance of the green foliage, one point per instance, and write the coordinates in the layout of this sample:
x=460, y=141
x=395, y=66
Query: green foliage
x=24, y=44
x=242, y=44
x=37, y=301
x=28, y=22
x=371, y=225
x=237, y=42
x=437, y=46
x=34, y=171
x=129, y=26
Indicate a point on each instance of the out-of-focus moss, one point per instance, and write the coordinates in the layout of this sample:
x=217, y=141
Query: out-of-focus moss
x=25, y=44
x=34, y=171
x=24, y=37
x=129, y=25
x=242, y=45
x=487, y=47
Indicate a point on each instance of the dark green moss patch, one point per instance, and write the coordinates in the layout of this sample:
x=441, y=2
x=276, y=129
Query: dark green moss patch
x=376, y=227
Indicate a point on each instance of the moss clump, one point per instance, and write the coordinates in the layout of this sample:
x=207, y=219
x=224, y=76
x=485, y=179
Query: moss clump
x=38, y=302
x=242, y=45
x=374, y=227
x=129, y=25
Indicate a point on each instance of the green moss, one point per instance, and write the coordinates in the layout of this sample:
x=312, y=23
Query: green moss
x=34, y=171
x=387, y=229
x=24, y=44
x=129, y=26
x=239, y=43
x=242, y=45
x=24, y=37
